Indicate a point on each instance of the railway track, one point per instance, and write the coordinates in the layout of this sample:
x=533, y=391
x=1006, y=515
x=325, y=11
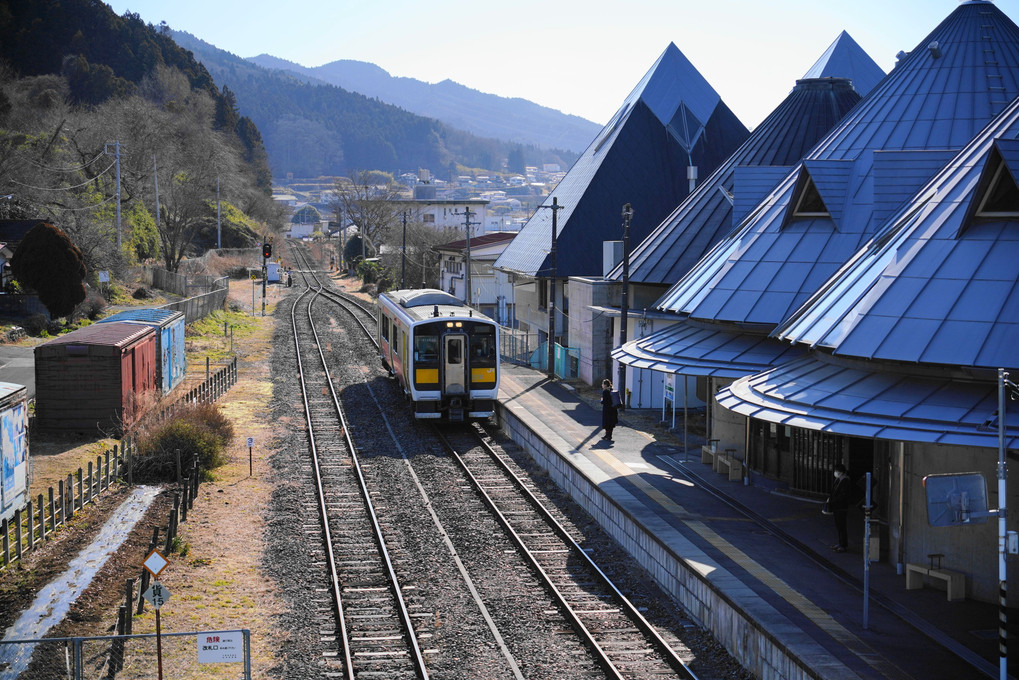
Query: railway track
x=621, y=642
x=626, y=645
x=373, y=629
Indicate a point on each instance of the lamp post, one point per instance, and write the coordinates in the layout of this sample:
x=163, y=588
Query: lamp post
x=627, y=215
x=555, y=208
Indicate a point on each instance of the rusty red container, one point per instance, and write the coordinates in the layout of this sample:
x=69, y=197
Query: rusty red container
x=95, y=379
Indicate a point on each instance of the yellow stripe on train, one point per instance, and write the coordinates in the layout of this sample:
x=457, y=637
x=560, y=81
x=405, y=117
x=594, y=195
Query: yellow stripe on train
x=482, y=375
x=426, y=376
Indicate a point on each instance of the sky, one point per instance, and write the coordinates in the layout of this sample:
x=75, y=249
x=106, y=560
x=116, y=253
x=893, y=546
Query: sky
x=581, y=57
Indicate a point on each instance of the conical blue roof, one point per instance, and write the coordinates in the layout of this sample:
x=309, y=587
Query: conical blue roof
x=936, y=99
x=844, y=58
x=940, y=284
x=810, y=110
x=672, y=119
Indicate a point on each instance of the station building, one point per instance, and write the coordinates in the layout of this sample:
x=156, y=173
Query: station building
x=859, y=313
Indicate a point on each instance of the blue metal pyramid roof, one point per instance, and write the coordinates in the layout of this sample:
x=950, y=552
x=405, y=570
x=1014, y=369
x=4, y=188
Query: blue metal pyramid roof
x=810, y=110
x=940, y=283
x=844, y=58
x=671, y=119
x=938, y=97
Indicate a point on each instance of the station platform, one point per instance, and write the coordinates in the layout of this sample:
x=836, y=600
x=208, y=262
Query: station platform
x=752, y=549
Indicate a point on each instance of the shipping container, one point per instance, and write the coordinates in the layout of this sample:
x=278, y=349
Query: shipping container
x=16, y=465
x=97, y=378
x=170, y=348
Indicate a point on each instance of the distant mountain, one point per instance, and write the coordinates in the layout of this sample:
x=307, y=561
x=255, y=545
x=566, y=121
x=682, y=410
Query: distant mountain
x=312, y=129
x=487, y=115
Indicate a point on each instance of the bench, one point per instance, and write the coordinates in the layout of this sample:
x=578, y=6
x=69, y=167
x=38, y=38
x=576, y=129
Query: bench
x=724, y=463
x=954, y=580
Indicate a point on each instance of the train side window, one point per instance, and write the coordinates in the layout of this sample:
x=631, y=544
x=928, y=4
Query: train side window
x=385, y=328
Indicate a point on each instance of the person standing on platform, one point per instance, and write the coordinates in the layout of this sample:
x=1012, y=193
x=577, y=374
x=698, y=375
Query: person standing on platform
x=838, y=502
x=609, y=416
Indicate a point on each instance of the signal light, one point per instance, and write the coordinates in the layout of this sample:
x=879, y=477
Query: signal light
x=267, y=250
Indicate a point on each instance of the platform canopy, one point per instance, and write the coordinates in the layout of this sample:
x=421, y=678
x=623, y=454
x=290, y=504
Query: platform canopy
x=817, y=394
x=689, y=348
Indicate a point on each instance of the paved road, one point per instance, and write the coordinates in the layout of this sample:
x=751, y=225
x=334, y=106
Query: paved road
x=17, y=365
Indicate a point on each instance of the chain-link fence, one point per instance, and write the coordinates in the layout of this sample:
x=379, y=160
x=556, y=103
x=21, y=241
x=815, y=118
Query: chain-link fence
x=183, y=656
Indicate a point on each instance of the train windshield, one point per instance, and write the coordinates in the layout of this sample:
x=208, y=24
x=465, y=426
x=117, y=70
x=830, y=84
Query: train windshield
x=483, y=349
x=426, y=346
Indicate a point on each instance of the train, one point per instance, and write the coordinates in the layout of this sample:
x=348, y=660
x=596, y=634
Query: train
x=444, y=354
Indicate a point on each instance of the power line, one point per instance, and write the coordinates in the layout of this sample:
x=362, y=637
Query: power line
x=75, y=169
x=76, y=186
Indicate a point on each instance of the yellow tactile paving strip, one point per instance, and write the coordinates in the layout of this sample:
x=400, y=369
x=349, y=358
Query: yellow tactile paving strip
x=569, y=428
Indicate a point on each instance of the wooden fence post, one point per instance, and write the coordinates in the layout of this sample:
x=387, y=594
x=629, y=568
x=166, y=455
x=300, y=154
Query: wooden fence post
x=42, y=518
x=128, y=600
x=60, y=504
x=31, y=527
x=88, y=487
x=17, y=534
x=69, y=499
x=81, y=498
x=5, y=544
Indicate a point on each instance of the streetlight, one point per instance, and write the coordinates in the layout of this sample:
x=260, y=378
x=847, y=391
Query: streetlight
x=627, y=214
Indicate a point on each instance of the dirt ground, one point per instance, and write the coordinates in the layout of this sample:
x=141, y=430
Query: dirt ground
x=214, y=579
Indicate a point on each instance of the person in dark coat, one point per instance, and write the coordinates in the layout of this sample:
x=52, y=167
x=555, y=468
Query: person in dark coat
x=838, y=502
x=609, y=416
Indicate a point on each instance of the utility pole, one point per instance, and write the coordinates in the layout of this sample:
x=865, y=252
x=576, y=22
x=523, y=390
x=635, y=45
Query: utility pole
x=403, y=255
x=155, y=177
x=219, y=230
x=467, y=230
x=555, y=208
x=627, y=214
x=106, y=150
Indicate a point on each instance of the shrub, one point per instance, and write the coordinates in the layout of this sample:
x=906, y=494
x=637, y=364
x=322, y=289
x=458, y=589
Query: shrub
x=37, y=324
x=142, y=293
x=91, y=307
x=199, y=431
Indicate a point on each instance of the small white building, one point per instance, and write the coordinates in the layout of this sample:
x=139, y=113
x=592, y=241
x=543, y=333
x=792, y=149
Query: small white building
x=443, y=213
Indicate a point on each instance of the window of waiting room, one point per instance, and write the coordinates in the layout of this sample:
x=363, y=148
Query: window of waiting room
x=805, y=459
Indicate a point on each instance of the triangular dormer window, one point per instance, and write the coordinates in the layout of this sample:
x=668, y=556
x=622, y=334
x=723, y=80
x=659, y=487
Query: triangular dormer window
x=808, y=200
x=1001, y=196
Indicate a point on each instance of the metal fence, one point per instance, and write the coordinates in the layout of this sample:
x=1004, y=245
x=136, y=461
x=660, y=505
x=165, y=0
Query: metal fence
x=200, y=306
x=182, y=656
x=524, y=347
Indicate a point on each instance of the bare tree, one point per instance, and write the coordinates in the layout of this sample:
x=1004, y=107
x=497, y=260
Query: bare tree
x=367, y=200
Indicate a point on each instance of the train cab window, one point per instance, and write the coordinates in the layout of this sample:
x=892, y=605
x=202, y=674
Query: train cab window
x=426, y=347
x=483, y=345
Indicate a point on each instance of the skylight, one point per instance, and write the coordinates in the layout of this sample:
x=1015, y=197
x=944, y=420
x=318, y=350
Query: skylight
x=809, y=202
x=1001, y=199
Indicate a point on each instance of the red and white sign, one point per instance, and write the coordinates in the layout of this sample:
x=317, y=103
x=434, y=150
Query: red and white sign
x=221, y=647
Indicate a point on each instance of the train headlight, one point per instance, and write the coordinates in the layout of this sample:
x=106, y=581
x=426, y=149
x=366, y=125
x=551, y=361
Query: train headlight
x=449, y=324
x=459, y=324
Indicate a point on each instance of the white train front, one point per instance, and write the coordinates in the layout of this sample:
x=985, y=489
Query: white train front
x=444, y=353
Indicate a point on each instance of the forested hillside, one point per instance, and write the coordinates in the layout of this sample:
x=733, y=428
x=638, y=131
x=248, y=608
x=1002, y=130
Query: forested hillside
x=460, y=107
x=80, y=86
x=313, y=129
